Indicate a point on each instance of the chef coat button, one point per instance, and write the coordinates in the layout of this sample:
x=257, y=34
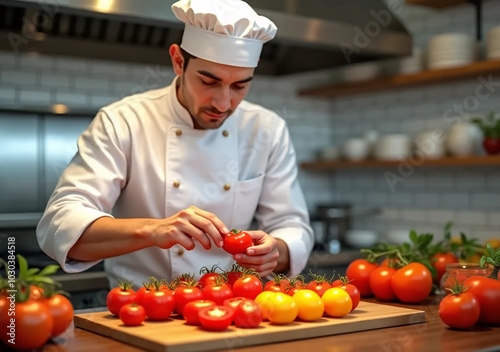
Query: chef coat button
x=176, y=184
x=180, y=251
x=178, y=133
x=225, y=133
x=227, y=187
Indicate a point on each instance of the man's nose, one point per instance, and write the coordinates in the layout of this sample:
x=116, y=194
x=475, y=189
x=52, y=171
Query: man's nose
x=222, y=99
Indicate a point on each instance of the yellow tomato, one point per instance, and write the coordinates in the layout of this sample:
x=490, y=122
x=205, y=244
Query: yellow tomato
x=495, y=242
x=262, y=300
x=278, y=307
x=337, y=302
x=310, y=305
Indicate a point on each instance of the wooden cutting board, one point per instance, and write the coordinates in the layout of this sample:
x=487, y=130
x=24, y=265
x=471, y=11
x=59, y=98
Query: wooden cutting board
x=174, y=335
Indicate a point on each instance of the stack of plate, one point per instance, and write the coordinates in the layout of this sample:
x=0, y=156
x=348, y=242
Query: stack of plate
x=413, y=63
x=451, y=50
x=393, y=147
x=493, y=44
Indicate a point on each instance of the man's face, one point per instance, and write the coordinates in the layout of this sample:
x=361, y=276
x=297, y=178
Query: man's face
x=211, y=92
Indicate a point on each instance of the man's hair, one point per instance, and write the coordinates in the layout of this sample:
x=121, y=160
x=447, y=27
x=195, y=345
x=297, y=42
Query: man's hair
x=187, y=56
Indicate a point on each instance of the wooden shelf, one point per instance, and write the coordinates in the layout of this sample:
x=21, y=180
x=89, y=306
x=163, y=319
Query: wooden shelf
x=319, y=165
x=437, y=4
x=411, y=80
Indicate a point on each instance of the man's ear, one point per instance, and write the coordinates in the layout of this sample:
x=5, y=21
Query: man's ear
x=177, y=59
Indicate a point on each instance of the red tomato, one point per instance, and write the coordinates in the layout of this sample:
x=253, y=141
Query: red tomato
x=358, y=272
x=32, y=327
x=210, y=276
x=248, y=314
x=132, y=314
x=158, y=305
x=319, y=287
x=237, y=242
x=234, y=274
x=235, y=301
x=412, y=283
x=439, y=261
x=248, y=286
x=216, y=318
x=351, y=290
x=273, y=287
x=460, y=311
x=487, y=293
x=184, y=295
x=62, y=312
x=119, y=296
x=381, y=283
x=192, y=309
x=389, y=262
x=218, y=293
x=140, y=293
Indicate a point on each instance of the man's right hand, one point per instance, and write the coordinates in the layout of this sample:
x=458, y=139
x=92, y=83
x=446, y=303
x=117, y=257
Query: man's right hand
x=184, y=227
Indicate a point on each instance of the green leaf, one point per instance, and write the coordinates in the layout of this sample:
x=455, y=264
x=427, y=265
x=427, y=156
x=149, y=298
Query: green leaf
x=32, y=271
x=23, y=267
x=413, y=236
x=49, y=270
x=482, y=261
x=490, y=261
x=44, y=279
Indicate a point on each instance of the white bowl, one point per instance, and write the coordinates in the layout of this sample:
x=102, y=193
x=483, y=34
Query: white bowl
x=430, y=144
x=397, y=236
x=361, y=238
x=464, y=139
x=393, y=147
x=356, y=149
x=361, y=72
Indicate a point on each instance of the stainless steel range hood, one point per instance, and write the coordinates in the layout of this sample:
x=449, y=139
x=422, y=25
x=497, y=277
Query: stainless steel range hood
x=312, y=34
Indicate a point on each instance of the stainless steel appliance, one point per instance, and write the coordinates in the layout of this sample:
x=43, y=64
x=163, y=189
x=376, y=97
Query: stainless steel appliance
x=34, y=150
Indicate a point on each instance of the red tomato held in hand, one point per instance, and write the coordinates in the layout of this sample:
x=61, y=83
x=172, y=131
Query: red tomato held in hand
x=381, y=283
x=216, y=318
x=412, y=283
x=247, y=286
x=237, y=242
x=487, y=293
x=158, y=305
x=247, y=314
x=119, y=296
x=460, y=311
x=62, y=312
x=358, y=273
x=33, y=325
x=439, y=261
x=192, y=310
x=132, y=314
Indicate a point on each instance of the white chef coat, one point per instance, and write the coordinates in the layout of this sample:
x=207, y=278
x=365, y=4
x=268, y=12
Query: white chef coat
x=141, y=157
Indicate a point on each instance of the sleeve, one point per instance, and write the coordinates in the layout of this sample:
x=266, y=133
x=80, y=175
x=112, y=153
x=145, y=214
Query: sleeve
x=282, y=210
x=86, y=191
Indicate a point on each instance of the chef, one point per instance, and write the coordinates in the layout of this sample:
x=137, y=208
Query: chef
x=161, y=177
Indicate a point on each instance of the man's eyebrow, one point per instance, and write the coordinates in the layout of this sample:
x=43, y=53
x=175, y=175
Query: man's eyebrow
x=210, y=75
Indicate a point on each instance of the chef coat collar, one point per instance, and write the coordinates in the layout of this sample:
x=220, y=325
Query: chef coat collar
x=179, y=110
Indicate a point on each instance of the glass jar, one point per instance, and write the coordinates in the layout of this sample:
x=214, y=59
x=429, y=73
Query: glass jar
x=460, y=272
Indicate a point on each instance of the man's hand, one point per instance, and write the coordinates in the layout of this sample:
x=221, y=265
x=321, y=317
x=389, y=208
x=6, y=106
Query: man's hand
x=268, y=254
x=186, y=226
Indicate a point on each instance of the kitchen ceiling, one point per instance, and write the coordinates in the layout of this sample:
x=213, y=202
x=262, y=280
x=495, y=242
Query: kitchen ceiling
x=312, y=34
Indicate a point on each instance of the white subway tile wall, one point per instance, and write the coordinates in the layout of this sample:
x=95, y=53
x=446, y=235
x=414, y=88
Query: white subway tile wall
x=409, y=197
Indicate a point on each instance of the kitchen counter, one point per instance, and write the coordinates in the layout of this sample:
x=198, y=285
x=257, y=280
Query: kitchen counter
x=430, y=336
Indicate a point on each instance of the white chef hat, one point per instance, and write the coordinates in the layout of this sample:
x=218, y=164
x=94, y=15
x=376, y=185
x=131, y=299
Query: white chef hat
x=228, y=32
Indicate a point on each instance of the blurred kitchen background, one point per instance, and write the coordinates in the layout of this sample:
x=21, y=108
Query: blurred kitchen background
x=47, y=100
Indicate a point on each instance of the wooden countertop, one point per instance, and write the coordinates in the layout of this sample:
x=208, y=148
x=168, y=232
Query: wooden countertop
x=430, y=336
